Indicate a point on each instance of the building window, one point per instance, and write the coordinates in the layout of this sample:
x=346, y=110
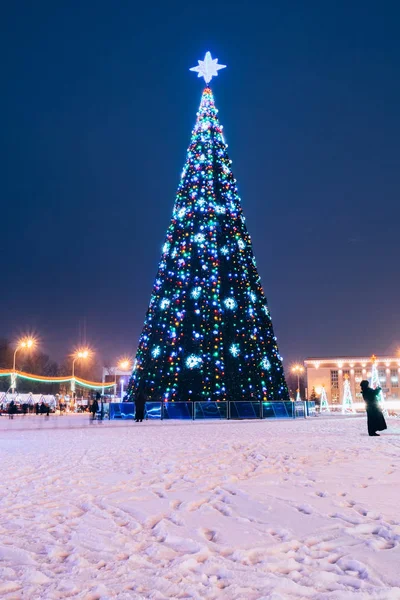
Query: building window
x=358, y=375
x=346, y=372
x=382, y=376
x=335, y=397
x=394, y=378
x=334, y=380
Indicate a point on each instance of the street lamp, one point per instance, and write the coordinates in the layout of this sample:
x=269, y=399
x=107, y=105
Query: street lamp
x=298, y=369
x=27, y=343
x=124, y=364
x=80, y=354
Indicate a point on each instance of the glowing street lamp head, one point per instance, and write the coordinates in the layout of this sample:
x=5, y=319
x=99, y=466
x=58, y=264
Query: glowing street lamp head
x=124, y=364
x=28, y=342
x=82, y=353
x=297, y=369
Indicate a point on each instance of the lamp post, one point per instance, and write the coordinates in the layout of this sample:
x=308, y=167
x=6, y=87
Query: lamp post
x=122, y=381
x=23, y=344
x=82, y=353
x=298, y=369
x=123, y=364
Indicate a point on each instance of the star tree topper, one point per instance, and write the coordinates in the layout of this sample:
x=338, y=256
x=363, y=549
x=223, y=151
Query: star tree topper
x=208, y=68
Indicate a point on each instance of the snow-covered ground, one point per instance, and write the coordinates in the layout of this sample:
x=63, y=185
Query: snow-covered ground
x=229, y=510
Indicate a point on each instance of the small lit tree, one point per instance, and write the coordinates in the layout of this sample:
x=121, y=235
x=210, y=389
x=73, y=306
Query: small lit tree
x=347, y=402
x=313, y=395
x=375, y=383
x=323, y=401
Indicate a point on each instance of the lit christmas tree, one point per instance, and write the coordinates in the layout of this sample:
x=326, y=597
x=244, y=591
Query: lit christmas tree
x=323, y=401
x=208, y=332
x=375, y=382
x=347, y=402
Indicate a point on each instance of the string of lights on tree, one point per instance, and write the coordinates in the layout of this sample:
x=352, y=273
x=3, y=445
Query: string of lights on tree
x=323, y=401
x=375, y=383
x=208, y=332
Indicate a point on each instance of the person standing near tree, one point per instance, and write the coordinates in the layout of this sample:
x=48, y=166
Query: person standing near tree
x=376, y=420
x=12, y=409
x=99, y=399
x=140, y=402
x=94, y=408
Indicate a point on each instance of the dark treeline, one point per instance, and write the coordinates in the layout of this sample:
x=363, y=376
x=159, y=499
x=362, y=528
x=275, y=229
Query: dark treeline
x=37, y=362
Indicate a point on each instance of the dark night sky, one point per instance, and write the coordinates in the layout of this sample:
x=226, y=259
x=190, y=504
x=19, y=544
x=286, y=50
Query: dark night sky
x=96, y=109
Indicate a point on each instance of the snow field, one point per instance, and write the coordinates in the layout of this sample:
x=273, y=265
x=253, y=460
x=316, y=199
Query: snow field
x=305, y=509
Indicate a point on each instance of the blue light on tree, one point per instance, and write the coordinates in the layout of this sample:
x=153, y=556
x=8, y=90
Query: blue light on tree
x=196, y=293
x=265, y=364
x=164, y=303
x=156, y=351
x=234, y=350
x=193, y=361
x=230, y=303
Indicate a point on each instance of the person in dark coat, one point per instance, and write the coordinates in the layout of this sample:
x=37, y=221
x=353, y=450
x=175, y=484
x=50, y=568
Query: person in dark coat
x=140, y=402
x=37, y=408
x=24, y=408
x=100, y=403
x=12, y=409
x=376, y=420
x=94, y=408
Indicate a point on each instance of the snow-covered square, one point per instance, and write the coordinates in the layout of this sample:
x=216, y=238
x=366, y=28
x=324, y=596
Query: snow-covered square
x=203, y=510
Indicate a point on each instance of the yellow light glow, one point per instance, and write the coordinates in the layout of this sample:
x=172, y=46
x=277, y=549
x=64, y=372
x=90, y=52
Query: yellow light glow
x=82, y=353
x=297, y=369
x=124, y=364
x=27, y=342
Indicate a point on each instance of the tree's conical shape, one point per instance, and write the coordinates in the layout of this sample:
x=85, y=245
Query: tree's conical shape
x=375, y=383
x=208, y=333
x=324, y=405
x=347, y=402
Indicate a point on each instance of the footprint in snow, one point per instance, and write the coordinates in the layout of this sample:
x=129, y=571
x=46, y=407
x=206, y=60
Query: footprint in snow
x=209, y=534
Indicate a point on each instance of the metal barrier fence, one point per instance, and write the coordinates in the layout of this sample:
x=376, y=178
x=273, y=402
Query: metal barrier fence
x=214, y=410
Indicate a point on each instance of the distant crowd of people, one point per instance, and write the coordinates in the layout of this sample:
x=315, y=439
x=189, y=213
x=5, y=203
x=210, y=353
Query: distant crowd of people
x=39, y=409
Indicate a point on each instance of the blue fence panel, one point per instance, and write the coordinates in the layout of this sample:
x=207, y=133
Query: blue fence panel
x=152, y=410
x=177, y=410
x=210, y=410
x=283, y=410
x=245, y=410
x=267, y=411
x=299, y=409
x=122, y=410
x=279, y=409
x=127, y=410
x=115, y=411
x=290, y=409
x=311, y=409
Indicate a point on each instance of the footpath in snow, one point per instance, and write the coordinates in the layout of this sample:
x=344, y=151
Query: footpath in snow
x=305, y=509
